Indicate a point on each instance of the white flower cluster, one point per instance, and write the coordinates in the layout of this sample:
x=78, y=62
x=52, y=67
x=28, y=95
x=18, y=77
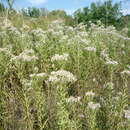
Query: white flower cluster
x=6, y=23
x=58, y=27
x=90, y=94
x=64, y=38
x=39, y=32
x=104, y=54
x=26, y=55
x=25, y=26
x=39, y=75
x=85, y=41
x=128, y=66
x=93, y=105
x=127, y=114
x=57, y=33
x=14, y=30
x=58, y=57
x=125, y=30
x=61, y=76
x=72, y=99
x=3, y=34
x=111, y=62
x=27, y=83
x=126, y=72
x=6, y=51
x=91, y=49
x=69, y=29
x=83, y=34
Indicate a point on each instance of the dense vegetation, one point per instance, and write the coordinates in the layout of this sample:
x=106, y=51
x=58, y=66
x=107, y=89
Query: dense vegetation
x=60, y=74
x=107, y=12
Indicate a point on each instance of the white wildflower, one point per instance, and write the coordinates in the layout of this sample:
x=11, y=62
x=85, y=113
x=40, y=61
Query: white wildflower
x=36, y=69
x=28, y=84
x=27, y=52
x=73, y=99
x=6, y=51
x=93, y=105
x=82, y=116
x=125, y=30
x=70, y=29
x=3, y=34
x=54, y=79
x=125, y=72
x=38, y=31
x=58, y=57
x=91, y=49
x=91, y=94
x=62, y=75
x=14, y=30
x=128, y=66
x=120, y=93
x=110, y=62
x=123, y=52
x=94, y=80
x=39, y=75
x=6, y=23
x=83, y=34
x=122, y=45
x=24, y=58
x=109, y=85
x=64, y=37
x=127, y=114
x=86, y=42
x=25, y=26
x=50, y=30
x=104, y=54
x=57, y=33
x=26, y=55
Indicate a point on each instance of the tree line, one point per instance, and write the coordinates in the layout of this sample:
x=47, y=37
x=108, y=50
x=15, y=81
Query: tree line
x=107, y=12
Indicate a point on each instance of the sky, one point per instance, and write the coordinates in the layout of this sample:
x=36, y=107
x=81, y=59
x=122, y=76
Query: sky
x=68, y=5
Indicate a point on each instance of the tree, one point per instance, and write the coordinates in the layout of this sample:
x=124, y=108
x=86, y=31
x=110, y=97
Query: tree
x=126, y=22
x=106, y=12
x=2, y=8
x=35, y=12
x=58, y=13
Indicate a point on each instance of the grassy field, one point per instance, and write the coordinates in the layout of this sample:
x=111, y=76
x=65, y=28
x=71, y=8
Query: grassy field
x=58, y=77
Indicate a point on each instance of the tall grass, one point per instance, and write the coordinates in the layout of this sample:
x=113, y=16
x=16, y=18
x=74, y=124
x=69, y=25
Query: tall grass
x=63, y=78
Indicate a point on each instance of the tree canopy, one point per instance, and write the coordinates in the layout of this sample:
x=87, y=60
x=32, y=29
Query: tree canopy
x=107, y=12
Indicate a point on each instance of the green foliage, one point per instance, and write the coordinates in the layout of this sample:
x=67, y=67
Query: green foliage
x=106, y=12
x=56, y=75
x=58, y=13
x=35, y=12
x=62, y=77
x=126, y=22
x=2, y=8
